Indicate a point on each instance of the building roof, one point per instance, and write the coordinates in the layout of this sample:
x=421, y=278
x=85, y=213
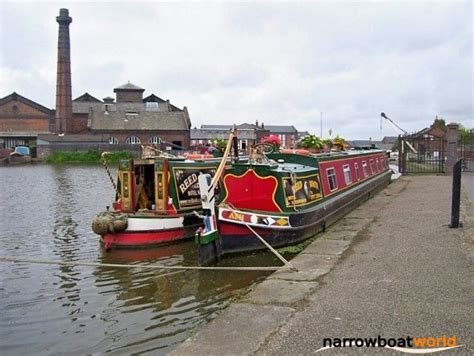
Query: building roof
x=281, y=129
x=157, y=99
x=244, y=126
x=86, y=97
x=144, y=120
x=390, y=139
x=128, y=86
x=212, y=134
x=83, y=107
x=18, y=97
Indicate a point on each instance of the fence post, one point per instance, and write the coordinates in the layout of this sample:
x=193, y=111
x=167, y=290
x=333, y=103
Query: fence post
x=401, y=166
x=452, y=149
x=456, y=198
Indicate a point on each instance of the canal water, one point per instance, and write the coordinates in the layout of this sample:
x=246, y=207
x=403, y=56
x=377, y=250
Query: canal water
x=45, y=214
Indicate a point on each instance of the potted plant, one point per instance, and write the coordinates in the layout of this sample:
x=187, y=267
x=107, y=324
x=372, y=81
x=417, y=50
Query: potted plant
x=312, y=143
x=272, y=140
x=219, y=145
x=340, y=144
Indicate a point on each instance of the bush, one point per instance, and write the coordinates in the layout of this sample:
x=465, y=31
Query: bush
x=91, y=156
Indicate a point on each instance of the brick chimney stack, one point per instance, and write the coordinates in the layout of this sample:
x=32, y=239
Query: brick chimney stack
x=63, y=79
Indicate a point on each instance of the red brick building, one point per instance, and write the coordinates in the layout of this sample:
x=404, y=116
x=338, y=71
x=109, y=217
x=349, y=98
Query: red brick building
x=21, y=120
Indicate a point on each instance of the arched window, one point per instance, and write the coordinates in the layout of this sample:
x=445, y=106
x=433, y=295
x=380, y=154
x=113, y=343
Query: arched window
x=155, y=140
x=113, y=140
x=133, y=140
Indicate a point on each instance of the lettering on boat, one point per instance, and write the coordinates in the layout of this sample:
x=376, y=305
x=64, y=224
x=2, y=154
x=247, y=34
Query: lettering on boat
x=254, y=219
x=236, y=216
x=187, y=186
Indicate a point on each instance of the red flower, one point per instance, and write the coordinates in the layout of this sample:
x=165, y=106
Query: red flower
x=271, y=139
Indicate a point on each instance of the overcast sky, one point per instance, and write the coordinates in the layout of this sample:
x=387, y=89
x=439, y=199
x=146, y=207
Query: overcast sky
x=281, y=63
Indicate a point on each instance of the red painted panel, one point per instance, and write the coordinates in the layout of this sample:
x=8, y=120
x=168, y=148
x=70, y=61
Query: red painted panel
x=338, y=164
x=250, y=191
x=229, y=229
x=142, y=238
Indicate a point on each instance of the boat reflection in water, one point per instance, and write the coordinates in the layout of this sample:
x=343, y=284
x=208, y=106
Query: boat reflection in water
x=166, y=305
x=51, y=309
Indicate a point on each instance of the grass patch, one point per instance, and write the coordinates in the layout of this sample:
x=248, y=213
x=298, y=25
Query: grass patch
x=297, y=248
x=91, y=156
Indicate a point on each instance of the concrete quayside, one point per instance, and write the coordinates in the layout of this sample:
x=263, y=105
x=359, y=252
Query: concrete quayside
x=397, y=271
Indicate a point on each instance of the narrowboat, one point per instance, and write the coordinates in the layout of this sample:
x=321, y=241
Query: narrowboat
x=286, y=198
x=155, y=202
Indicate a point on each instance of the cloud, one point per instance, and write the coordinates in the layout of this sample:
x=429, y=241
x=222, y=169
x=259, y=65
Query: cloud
x=279, y=63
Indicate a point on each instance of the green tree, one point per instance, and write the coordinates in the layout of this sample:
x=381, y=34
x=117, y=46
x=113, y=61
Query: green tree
x=464, y=135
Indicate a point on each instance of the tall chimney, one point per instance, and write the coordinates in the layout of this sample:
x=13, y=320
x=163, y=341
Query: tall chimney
x=63, y=79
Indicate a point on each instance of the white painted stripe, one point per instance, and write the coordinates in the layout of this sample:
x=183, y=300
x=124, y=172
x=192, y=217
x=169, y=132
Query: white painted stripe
x=158, y=223
x=274, y=217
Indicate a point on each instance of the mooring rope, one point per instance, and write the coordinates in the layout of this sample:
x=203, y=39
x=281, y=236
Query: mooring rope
x=117, y=265
x=275, y=252
x=104, y=163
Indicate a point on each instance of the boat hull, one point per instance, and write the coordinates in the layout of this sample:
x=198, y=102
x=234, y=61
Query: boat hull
x=146, y=232
x=237, y=237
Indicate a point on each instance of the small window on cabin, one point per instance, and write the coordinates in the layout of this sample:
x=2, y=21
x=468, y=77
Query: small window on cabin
x=372, y=170
x=133, y=140
x=347, y=174
x=15, y=110
x=356, y=168
x=131, y=113
x=364, y=168
x=151, y=106
x=113, y=140
x=155, y=140
x=331, y=172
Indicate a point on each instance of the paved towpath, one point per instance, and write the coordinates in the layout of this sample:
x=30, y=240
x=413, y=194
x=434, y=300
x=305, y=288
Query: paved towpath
x=396, y=270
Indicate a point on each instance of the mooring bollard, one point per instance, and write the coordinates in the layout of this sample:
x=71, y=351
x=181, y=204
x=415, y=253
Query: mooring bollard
x=456, y=200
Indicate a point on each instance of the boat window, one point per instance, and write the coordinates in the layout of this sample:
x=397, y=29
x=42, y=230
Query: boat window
x=133, y=140
x=356, y=168
x=364, y=168
x=113, y=140
x=332, y=178
x=347, y=174
x=372, y=170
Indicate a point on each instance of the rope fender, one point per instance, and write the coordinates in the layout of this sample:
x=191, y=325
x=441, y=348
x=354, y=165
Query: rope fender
x=109, y=222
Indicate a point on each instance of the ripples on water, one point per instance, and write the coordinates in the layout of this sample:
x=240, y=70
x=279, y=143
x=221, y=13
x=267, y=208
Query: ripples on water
x=45, y=213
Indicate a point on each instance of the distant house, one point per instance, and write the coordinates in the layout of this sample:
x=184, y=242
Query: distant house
x=22, y=119
x=391, y=140
x=386, y=146
x=288, y=134
x=248, y=134
x=430, y=141
x=302, y=134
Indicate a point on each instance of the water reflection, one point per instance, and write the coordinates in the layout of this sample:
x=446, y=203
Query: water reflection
x=62, y=309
